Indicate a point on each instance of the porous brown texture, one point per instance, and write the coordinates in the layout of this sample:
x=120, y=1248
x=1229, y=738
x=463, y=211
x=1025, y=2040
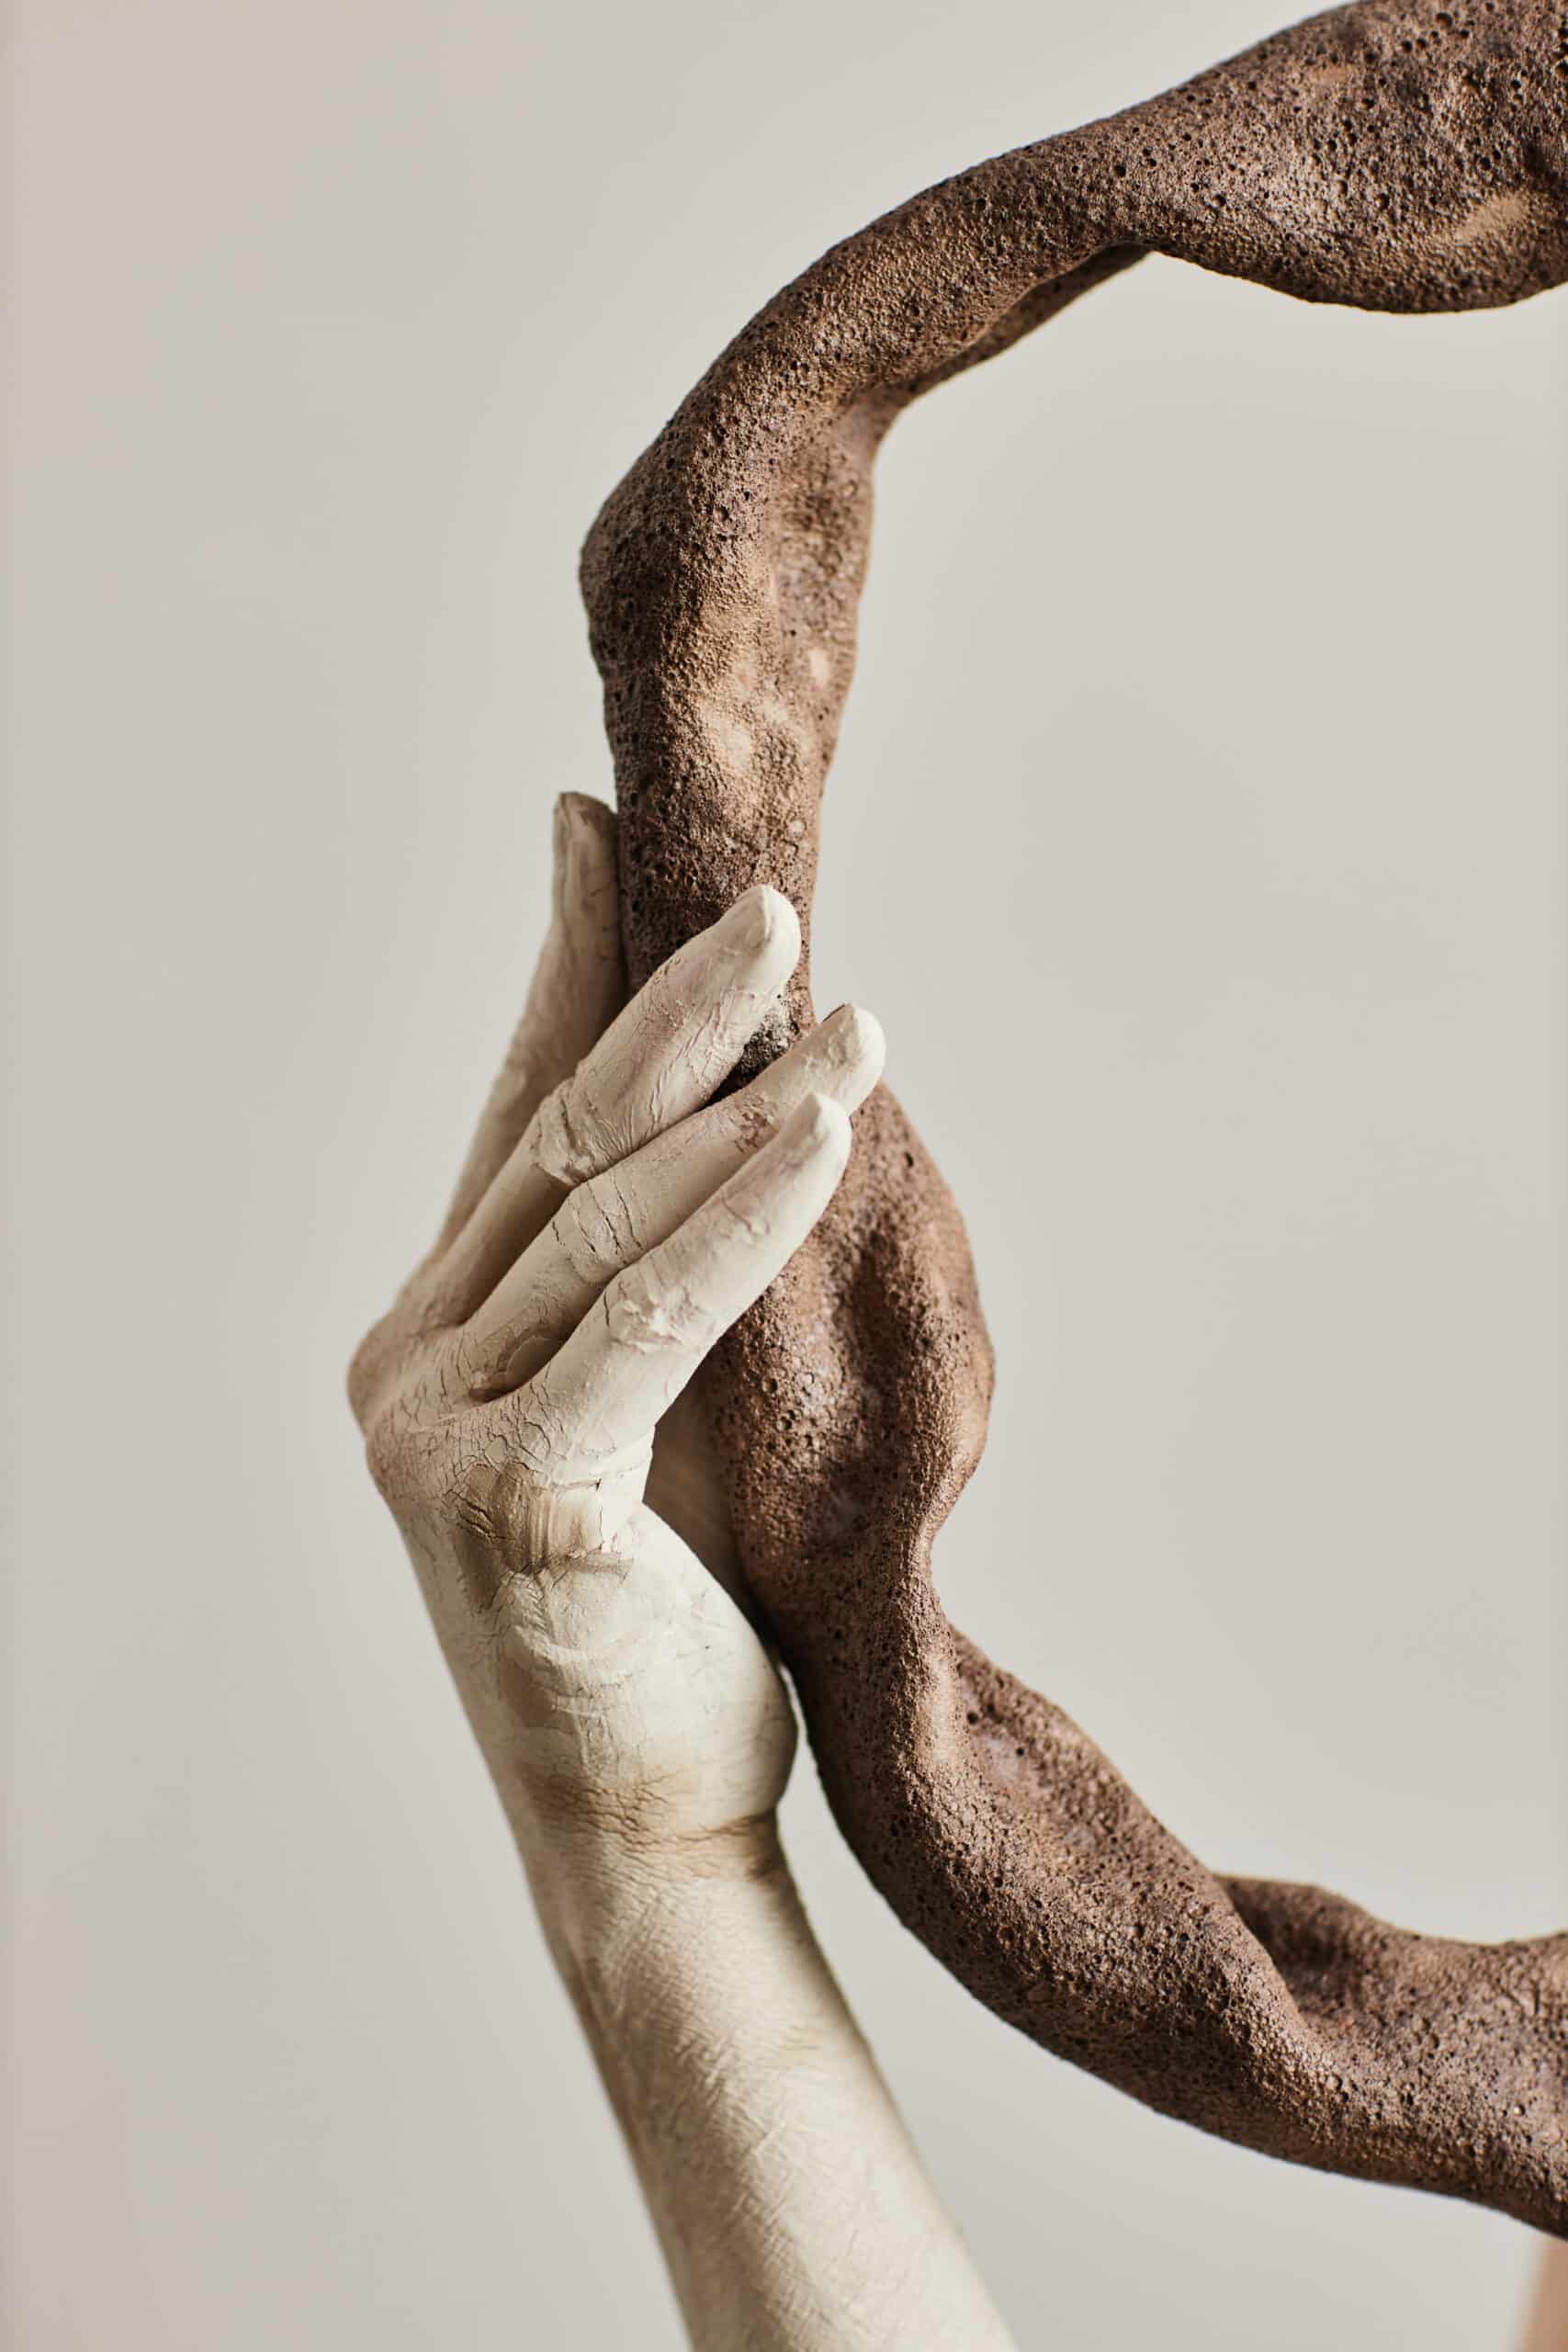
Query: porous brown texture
x=1396, y=155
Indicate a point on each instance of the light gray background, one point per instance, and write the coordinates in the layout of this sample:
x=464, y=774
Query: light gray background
x=1197, y=830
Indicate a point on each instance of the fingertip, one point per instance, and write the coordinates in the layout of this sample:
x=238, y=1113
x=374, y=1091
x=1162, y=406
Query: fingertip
x=763, y=922
x=591, y=819
x=819, y=1124
x=585, y=843
x=586, y=913
x=858, y=1036
x=560, y=842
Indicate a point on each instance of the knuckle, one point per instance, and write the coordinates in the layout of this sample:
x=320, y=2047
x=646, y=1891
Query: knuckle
x=489, y=1510
x=482, y=1366
x=505, y=1367
x=541, y=1432
x=489, y=1500
x=754, y=1119
x=743, y=1219
x=650, y=1315
x=564, y=1138
x=594, y=1230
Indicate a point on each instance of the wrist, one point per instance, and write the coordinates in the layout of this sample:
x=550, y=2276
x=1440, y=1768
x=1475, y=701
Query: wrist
x=668, y=1957
x=605, y=1898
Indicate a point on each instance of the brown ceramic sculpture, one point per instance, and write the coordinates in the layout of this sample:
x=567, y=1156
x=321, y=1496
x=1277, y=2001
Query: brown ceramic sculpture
x=1397, y=155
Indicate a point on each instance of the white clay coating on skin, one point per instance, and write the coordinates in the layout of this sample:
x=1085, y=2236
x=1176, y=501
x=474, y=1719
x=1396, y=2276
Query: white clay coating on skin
x=659, y=1058
x=608, y=1649
x=604, y=1224
x=623, y=1365
x=679, y=1036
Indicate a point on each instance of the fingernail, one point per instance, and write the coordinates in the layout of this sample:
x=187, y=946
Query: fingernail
x=757, y=920
x=856, y=1035
x=815, y=1121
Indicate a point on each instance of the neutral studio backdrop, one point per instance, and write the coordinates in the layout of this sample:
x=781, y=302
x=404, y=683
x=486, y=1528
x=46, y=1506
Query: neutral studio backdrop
x=1225, y=976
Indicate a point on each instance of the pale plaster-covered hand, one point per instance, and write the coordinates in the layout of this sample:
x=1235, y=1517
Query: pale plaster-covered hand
x=522, y=1406
x=607, y=1229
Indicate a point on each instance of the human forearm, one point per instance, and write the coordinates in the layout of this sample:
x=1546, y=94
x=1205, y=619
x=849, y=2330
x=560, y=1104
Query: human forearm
x=792, y=2207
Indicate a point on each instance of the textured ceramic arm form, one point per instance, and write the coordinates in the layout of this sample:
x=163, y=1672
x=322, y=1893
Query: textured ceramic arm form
x=1402, y=157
